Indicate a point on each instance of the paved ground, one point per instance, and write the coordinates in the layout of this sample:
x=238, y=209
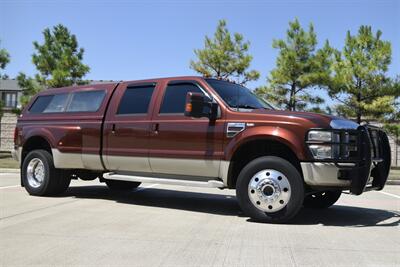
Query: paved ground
x=172, y=226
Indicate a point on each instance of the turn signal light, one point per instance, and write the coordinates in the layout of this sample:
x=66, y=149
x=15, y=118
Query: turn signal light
x=188, y=107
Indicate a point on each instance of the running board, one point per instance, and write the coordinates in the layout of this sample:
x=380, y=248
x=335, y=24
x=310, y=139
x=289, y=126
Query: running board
x=142, y=179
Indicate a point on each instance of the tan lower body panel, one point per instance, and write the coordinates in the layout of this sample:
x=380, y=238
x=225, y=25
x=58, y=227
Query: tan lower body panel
x=189, y=167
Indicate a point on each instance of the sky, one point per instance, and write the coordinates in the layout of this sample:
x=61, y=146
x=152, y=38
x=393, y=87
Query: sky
x=130, y=40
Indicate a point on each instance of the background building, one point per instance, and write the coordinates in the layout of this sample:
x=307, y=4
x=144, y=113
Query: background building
x=10, y=93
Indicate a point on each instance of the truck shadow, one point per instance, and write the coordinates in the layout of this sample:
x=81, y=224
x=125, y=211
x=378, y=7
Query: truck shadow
x=226, y=205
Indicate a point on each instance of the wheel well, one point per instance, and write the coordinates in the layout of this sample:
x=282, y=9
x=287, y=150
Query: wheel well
x=35, y=142
x=258, y=148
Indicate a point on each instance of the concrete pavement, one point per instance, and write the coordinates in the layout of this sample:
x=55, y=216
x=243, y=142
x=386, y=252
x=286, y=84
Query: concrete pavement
x=159, y=225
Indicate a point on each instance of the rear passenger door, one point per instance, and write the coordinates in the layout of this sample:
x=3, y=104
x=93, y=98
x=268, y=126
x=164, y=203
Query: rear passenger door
x=180, y=145
x=126, y=129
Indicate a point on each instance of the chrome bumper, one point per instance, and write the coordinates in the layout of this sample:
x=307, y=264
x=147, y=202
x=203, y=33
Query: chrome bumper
x=322, y=174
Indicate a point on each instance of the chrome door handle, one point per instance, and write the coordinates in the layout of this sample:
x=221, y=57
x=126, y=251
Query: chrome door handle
x=155, y=128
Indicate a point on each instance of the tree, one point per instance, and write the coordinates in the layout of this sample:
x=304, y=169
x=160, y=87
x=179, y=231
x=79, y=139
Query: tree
x=300, y=67
x=360, y=81
x=224, y=57
x=4, y=60
x=58, y=61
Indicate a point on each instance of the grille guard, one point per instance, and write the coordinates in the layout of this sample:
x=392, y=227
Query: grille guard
x=372, y=161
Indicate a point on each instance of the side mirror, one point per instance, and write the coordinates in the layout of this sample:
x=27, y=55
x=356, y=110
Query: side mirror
x=199, y=105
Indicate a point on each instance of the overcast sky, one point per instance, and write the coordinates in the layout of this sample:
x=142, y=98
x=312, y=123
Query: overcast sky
x=128, y=40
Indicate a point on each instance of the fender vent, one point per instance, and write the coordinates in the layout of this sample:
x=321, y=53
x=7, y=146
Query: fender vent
x=234, y=128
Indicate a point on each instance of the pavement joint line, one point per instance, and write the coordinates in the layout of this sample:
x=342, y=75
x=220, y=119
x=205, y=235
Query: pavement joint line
x=10, y=186
x=39, y=209
x=389, y=194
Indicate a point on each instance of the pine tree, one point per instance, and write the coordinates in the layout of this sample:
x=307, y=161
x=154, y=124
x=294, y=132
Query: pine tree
x=360, y=81
x=225, y=57
x=300, y=68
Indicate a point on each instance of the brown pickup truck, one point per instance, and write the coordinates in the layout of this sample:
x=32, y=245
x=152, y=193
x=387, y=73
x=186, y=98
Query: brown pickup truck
x=196, y=131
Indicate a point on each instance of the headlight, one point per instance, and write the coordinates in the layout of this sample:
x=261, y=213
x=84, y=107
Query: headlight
x=323, y=136
x=332, y=144
x=321, y=144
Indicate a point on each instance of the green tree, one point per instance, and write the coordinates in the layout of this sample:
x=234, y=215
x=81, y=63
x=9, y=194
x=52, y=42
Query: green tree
x=4, y=60
x=360, y=81
x=300, y=68
x=225, y=57
x=58, y=62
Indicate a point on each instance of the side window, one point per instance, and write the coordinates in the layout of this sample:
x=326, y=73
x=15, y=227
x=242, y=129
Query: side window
x=88, y=101
x=49, y=104
x=175, y=97
x=40, y=104
x=136, y=100
x=57, y=103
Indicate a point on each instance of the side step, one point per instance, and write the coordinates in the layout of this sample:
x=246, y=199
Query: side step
x=133, y=178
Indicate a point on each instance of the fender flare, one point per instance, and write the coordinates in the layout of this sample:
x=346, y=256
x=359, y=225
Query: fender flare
x=290, y=139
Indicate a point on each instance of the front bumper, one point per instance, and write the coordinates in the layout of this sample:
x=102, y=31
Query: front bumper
x=369, y=170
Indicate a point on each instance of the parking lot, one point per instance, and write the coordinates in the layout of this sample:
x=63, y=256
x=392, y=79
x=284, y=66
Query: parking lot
x=158, y=225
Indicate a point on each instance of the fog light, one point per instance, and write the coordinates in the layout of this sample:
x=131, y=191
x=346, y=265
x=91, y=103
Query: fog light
x=321, y=152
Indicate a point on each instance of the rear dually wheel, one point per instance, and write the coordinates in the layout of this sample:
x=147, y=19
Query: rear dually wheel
x=40, y=177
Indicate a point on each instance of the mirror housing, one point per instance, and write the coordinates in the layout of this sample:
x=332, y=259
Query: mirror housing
x=199, y=105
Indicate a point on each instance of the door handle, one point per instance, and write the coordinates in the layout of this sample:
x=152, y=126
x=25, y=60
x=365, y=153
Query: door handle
x=113, y=128
x=155, y=128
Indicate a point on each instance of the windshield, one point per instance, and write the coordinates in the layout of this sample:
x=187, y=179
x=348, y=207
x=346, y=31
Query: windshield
x=237, y=96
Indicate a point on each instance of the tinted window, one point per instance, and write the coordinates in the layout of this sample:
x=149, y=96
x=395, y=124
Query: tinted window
x=136, y=100
x=40, y=104
x=57, y=103
x=175, y=97
x=238, y=96
x=49, y=104
x=86, y=101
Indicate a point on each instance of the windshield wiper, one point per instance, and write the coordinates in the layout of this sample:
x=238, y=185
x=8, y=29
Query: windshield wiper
x=246, y=107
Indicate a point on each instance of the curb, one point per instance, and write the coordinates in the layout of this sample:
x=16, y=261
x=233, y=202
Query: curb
x=9, y=170
x=393, y=182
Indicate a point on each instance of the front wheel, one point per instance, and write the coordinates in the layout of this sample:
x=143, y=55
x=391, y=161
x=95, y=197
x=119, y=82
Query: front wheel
x=270, y=189
x=321, y=200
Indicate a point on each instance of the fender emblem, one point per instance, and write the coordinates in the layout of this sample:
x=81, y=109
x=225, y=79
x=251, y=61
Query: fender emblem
x=233, y=128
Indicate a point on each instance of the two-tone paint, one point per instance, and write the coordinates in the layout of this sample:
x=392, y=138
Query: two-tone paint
x=165, y=144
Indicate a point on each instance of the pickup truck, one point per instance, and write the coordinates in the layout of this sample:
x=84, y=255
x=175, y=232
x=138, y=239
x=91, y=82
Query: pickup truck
x=196, y=131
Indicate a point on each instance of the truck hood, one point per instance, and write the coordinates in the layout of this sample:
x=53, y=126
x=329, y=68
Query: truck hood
x=320, y=120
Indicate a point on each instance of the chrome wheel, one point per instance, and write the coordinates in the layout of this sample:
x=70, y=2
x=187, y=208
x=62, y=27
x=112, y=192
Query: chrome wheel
x=269, y=190
x=35, y=173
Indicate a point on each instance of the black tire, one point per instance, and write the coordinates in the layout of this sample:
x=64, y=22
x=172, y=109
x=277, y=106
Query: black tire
x=121, y=185
x=292, y=176
x=54, y=181
x=321, y=200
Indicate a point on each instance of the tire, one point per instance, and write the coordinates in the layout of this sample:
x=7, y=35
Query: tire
x=270, y=189
x=321, y=200
x=40, y=177
x=121, y=185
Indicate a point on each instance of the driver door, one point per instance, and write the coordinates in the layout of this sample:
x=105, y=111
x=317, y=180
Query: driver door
x=180, y=145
